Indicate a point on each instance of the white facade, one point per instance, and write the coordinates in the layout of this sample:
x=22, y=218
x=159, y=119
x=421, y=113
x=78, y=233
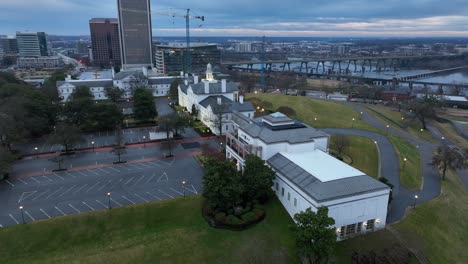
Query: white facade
x=40, y=62
x=307, y=176
x=243, y=47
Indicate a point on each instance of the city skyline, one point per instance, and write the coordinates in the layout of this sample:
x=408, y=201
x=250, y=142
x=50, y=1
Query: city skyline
x=357, y=18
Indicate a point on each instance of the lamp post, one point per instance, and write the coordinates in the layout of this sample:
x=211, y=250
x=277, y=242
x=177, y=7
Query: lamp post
x=92, y=143
x=183, y=187
x=22, y=213
x=144, y=141
x=109, y=200
x=315, y=119
x=415, y=199
x=36, y=150
x=352, y=124
x=388, y=126
x=404, y=162
x=422, y=130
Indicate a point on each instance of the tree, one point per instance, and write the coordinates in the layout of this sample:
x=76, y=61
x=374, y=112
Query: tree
x=59, y=161
x=222, y=185
x=6, y=160
x=315, y=235
x=79, y=105
x=168, y=145
x=341, y=142
x=166, y=124
x=66, y=135
x=257, y=179
x=219, y=111
x=194, y=111
x=174, y=89
x=103, y=116
x=449, y=158
x=210, y=152
x=180, y=122
x=11, y=131
x=424, y=109
x=119, y=151
x=143, y=106
x=114, y=93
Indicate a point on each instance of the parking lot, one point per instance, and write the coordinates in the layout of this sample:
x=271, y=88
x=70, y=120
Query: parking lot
x=72, y=192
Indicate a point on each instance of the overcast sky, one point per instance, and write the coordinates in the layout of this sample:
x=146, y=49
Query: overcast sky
x=315, y=18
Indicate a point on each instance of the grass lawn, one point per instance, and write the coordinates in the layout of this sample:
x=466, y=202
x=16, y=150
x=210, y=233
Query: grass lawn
x=171, y=231
x=329, y=114
x=450, y=133
x=364, y=154
x=410, y=170
x=413, y=128
x=440, y=227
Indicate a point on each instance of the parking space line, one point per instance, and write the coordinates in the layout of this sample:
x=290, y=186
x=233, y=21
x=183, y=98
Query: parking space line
x=88, y=206
x=67, y=191
x=154, y=163
x=34, y=178
x=19, y=179
x=144, y=165
x=13, y=218
x=149, y=179
x=102, y=170
x=154, y=196
x=165, y=194
x=54, y=193
x=129, y=180
x=141, y=197
x=113, y=169
x=74, y=208
x=168, y=163
x=128, y=199
x=134, y=166
x=90, y=188
x=58, y=209
x=93, y=172
x=105, y=206
x=22, y=199
x=56, y=175
x=70, y=174
x=12, y=185
x=112, y=187
x=79, y=172
x=115, y=202
x=139, y=180
x=79, y=189
x=48, y=178
x=37, y=197
x=29, y=215
x=176, y=191
x=102, y=187
x=44, y=213
x=194, y=190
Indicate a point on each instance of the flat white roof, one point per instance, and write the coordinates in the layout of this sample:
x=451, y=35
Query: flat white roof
x=322, y=165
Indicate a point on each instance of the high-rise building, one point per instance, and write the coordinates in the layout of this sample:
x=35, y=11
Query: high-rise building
x=135, y=33
x=105, y=41
x=32, y=44
x=9, y=45
x=243, y=47
x=170, y=57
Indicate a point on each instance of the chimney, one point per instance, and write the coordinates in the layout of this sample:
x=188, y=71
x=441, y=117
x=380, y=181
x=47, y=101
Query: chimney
x=182, y=74
x=219, y=100
x=223, y=85
x=195, y=79
x=241, y=99
x=69, y=78
x=186, y=82
x=207, y=87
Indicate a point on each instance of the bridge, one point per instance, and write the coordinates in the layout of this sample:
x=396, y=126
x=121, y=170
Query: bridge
x=430, y=74
x=340, y=64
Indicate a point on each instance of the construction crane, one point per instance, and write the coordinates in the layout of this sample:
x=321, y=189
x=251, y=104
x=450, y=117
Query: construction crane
x=187, y=16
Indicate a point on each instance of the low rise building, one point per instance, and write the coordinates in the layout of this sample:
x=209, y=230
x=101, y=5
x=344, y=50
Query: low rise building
x=307, y=176
x=53, y=62
x=215, y=101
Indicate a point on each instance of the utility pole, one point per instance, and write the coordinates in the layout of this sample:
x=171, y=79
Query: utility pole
x=262, y=68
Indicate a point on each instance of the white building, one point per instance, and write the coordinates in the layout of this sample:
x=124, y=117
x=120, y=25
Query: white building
x=307, y=176
x=53, y=62
x=126, y=80
x=214, y=99
x=243, y=47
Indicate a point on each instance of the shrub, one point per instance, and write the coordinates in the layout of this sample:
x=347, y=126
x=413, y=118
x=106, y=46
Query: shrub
x=258, y=212
x=267, y=105
x=286, y=110
x=233, y=220
x=249, y=217
x=220, y=217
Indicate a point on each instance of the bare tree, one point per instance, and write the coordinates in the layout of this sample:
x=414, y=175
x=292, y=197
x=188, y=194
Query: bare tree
x=219, y=110
x=59, y=161
x=341, y=143
x=168, y=145
x=119, y=148
x=449, y=158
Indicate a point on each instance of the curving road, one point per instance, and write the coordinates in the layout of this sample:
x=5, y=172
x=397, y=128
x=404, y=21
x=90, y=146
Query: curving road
x=402, y=197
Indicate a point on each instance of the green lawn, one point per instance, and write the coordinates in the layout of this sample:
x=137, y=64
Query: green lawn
x=364, y=154
x=171, y=231
x=440, y=227
x=410, y=170
x=413, y=127
x=329, y=114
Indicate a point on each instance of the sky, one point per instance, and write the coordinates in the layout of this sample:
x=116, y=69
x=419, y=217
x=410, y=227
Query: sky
x=274, y=18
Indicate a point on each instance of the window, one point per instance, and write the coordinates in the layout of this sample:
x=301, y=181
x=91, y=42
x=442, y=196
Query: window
x=282, y=191
x=227, y=127
x=350, y=229
x=289, y=196
x=370, y=224
x=295, y=202
x=277, y=186
x=342, y=230
x=359, y=227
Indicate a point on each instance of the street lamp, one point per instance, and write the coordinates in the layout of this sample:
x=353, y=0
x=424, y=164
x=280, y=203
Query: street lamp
x=109, y=200
x=352, y=124
x=92, y=143
x=421, y=130
x=415, y=199
x=183, y=187
x=22, y=213
x=404, y=162
x=388, y=126
x=316, y=119
x=144, y=141
x=36, y=150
